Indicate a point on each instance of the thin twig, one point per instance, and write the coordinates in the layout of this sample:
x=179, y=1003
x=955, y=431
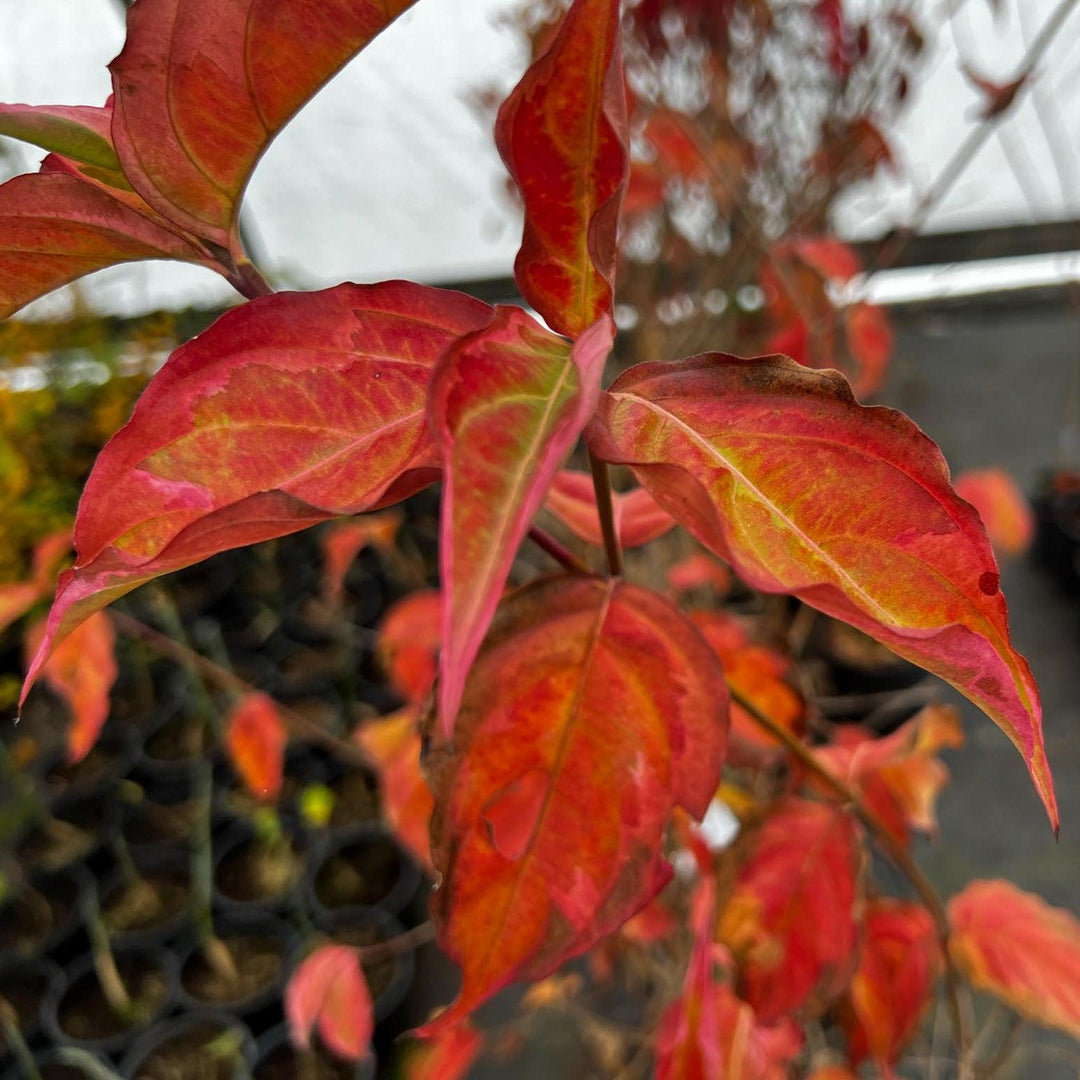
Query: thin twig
x=561, y=554
x=174, y=650
x=606, y=509
x=402, y=943
x=896, y=852
x=966, y=151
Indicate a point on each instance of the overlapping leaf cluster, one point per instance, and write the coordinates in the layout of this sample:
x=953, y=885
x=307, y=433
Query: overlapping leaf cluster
x=576, y=716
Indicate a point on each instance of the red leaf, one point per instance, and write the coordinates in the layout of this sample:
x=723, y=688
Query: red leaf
x=408, y=642
x=1004, y=511
x=328, y=990
x=997, y=97
x=791, y=921
x=870, y=342
x=832, y=259
x=707, y=1031
x=56, y=226
x=393, y=742
x=782, y=474
x=699, y=571
x=638, y=520
x=195, y=109
x=1016, y=946
x=447, y=1056
x=342, y=543
x=255, y=736
x=82, y=671
x=507, y=403
x=289, y=410
x=894, y=982
x=562, y=134
x=593, y=709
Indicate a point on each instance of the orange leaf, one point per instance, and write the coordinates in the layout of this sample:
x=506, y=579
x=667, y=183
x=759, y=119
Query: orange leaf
x=899, y=774
x=328, y=991
x=1005, y=512
x=393, y=742
x=593, y=709
x=1016, y=946
x=780, y=472
x=82, y=671
x=289, y=410
x=638, y=520
x=562, y=135
x=255, y=736
x=194, y=110
x=870, y=342
x=341, y=543
x=507, y=403
x=894, y=982
x=792, y=919
x=16, y=600
x=408, y=641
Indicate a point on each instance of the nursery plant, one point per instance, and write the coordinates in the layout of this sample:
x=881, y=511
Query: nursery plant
x=575, y=719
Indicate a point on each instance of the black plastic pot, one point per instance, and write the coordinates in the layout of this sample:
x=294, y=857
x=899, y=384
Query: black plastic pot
x=277, y=1059
x=162, y=820
x=183, y=1035
x=361, y=868
x=98, y=773
x=236, y=880
x=259, y=1007
x=62, y=1063
x=96, y=817
x=175, y=744
x=169, y=873
x=356, y=797
x=27, y=985
x=389, y=979
x=44, y=915
x=145, y=974
x=1057, y=527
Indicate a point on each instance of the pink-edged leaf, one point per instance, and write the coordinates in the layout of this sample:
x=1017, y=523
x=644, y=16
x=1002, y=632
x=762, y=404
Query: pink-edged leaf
x=56, y=226
x=638, y=520
x=328, y=991
x=1005, y=512
x=80, y=132
x=562, y=133
x=343, y=542
x=203, y=86
x=593, y=710
x=1014, y=945
x=779, y=470
x=507, y=405
x=82, y=671
x=255, y=737
x=289, y=410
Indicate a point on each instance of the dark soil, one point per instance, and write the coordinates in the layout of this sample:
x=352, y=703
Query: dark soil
x=150, y=900
x=25, y=923
x=180, y=739
x=258, y=959
x=154, y=824
x=255, y=870
x=359, y=873
x=287, y=1063
x=101, y=763
x=24, y=990
x=356, y=798
x=194, y=1054
x=86, y=1014
x=63, y=839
